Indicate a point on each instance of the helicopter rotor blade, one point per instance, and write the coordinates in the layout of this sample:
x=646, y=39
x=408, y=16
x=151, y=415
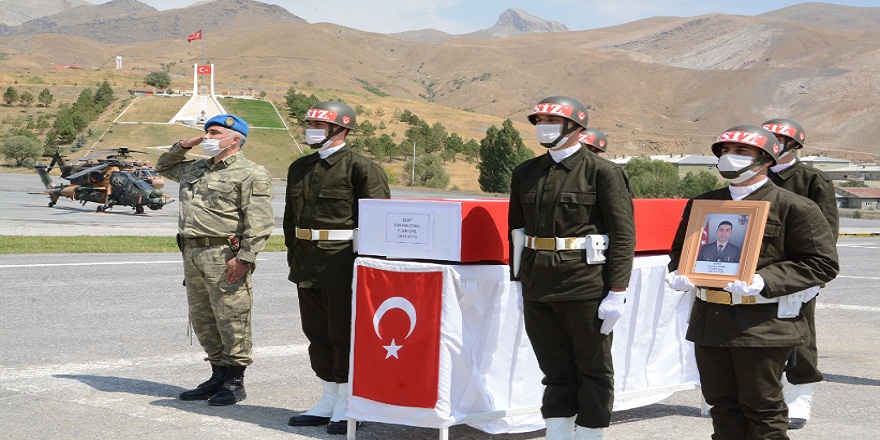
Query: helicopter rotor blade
x=87, y=171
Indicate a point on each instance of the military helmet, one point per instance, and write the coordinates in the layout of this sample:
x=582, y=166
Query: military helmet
x=568, y=108
x=787, y=128
x=749, y=135
x=334, y=112
x=595, y=138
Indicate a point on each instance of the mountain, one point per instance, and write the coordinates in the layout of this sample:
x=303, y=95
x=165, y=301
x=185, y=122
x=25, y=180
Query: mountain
x=16, y=12
x=510, y=23
x=130, y=21
x=659, y=85
x=517, y=22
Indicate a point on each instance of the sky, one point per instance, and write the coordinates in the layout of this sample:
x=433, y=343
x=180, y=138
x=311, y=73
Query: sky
x=463, y=16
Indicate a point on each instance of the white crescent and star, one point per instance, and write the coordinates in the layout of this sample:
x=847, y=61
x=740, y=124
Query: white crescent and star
x=407, y=307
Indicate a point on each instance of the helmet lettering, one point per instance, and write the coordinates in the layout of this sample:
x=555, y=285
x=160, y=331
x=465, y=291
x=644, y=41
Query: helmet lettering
x=743, y=137
x=553, y=109
x=324, y=115
x=781, y=129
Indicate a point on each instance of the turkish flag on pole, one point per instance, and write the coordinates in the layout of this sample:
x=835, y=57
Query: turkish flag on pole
x=197, y=35
x=396, y=343
x=203, y=70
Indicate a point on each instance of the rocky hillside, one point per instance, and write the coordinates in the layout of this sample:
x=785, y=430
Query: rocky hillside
x=661, y=85
x=130, y=21
x=16, y=12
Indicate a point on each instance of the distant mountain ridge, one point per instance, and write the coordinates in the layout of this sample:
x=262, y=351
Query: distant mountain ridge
x=16, y=12
x=511, y=22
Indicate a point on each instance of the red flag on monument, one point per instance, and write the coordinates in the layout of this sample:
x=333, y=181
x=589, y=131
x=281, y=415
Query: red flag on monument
x=197, y=35
x=396, y=346
x=203, y=70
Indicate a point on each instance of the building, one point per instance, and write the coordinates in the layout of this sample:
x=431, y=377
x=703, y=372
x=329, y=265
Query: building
x=858, y=198
x=824, y=162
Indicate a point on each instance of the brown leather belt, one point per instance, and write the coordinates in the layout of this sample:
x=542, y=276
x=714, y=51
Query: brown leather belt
x=198, y=242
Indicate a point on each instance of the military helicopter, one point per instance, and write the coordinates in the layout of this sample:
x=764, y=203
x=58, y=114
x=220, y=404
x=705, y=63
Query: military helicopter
x=109, y=183
x=142, y=169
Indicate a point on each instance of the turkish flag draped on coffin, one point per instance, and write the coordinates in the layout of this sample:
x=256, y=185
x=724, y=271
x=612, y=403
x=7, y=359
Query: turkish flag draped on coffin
x=396, y=343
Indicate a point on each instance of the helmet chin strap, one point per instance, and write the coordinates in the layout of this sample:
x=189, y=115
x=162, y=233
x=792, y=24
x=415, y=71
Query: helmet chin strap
x=760, y=160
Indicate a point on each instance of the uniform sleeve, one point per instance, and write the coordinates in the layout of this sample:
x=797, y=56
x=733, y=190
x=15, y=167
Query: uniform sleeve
x=288, y=223
x=515, y=216
x=172, y=163
x=371, y=183
x=258, y=220
x=822, y=192
x=678, y=240
x=810, y=251
x=616, y=207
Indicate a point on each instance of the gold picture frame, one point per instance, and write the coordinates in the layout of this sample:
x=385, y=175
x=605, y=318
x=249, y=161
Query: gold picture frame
x=722, y=241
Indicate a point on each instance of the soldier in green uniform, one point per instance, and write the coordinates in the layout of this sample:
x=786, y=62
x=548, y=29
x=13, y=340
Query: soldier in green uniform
x=320, y=225
x=594, y=139
x=571, y=300
x=743, y=335
x=225, y=220
x=791, y=174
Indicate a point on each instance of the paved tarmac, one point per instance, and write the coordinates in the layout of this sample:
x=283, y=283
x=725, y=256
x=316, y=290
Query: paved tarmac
x=97, y=347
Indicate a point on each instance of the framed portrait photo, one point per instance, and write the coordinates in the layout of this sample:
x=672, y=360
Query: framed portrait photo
x=722, y=241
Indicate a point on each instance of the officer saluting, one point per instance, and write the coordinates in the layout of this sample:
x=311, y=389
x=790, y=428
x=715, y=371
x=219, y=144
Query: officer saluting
x=793, y=175
x=564, y=202
x=743, y=335
x=225, y=220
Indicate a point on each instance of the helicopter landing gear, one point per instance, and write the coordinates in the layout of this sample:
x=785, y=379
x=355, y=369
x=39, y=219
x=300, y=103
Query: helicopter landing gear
x=139, y=209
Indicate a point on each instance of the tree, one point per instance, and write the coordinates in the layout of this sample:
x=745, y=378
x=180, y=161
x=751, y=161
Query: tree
x=160, y=80
x=104, y=96
x=854, y=184
x=653, y=179
x=45, y=97
x=11, y=95
x=298, y=103
x=26, y=98
x=500, y=152
x=429, y=172
x=696, y=184
x=22, y=149
x=366, y=129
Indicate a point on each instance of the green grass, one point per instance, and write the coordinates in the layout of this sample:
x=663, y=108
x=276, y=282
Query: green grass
x=112, y=244
x=257, y=113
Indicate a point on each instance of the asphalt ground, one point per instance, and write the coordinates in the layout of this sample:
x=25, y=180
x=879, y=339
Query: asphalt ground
x=96, y=346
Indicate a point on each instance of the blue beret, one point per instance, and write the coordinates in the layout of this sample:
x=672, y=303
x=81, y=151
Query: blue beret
x=230, y=122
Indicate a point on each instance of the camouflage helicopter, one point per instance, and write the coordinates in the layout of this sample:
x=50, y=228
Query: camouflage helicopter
x=142, y=169
x=109, y=183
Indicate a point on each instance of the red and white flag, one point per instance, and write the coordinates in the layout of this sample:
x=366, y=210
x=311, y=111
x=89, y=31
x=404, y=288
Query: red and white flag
x=704, y=236
x=197, y=35
x=203, y=70
x=396, y=342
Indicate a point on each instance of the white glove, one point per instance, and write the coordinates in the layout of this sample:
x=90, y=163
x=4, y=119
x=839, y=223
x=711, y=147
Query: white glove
x=744, y=289
x=679, y=282
x=810, y=293
x=610, y=310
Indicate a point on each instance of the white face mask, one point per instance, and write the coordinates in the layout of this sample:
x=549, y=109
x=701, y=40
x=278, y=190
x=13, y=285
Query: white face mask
x=211, y=147
x=732, y=167
x=315, y=136
x=547, y=133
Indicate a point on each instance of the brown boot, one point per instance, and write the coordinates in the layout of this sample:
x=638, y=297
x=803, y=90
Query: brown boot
x=209, y=387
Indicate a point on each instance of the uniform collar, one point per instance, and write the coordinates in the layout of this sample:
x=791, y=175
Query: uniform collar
x=328, y=152
x=569, y=161
x=226, y=162
x=343, y=150
x=785, y=171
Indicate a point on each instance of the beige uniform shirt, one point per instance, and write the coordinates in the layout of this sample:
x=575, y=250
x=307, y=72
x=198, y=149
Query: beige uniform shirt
x=230, y=197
